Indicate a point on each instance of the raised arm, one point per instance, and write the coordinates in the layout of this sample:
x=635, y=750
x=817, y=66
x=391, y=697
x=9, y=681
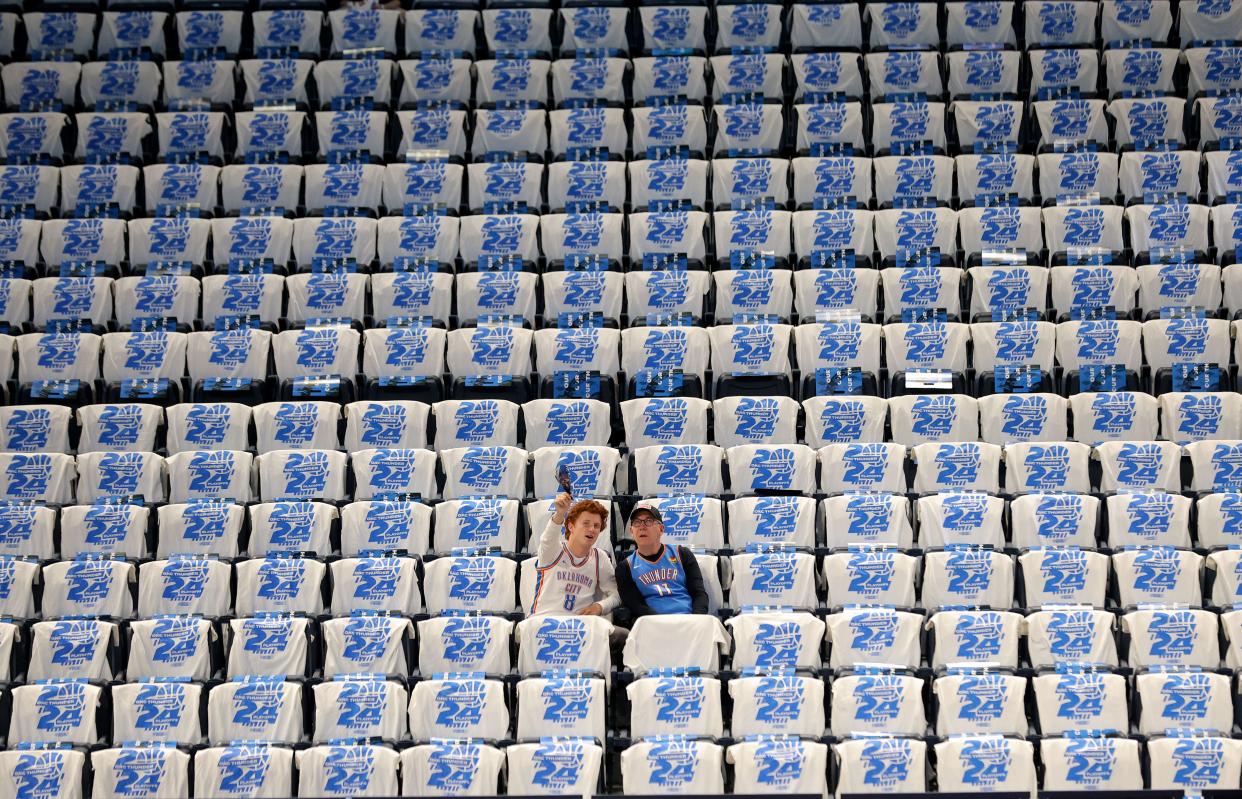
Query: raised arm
x=553, y=538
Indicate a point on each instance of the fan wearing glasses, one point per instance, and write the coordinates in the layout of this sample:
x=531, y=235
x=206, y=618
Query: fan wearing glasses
x=657, y=578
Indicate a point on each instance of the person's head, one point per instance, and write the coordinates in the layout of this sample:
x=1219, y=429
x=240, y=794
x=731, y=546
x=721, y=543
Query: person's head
x=646, y=528
x=584, y=524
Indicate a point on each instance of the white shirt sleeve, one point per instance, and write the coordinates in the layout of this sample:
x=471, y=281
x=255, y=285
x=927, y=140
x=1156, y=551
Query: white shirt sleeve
x=550, y=544
x=610, y=598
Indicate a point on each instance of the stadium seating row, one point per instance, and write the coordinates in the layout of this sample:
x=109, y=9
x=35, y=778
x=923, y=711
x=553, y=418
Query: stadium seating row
x=758, y=640
x=1002, y=420
x=102, y=586
x=505, y=471
x=709, y=524
x=660, y=240
x=739, y=126
x=755, y=347
x=518, y=77
x=1160, y=701
x=537, y=27
x=838, y=181
x=1177, y=762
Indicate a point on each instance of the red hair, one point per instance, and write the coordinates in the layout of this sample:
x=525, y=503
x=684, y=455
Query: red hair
x=587, y=506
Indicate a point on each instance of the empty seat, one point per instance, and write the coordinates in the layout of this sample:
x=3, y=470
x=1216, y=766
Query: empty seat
x=765, y=639
x=171, y=647
x=214, y=767
x=870, y=576
x=372, y=644
x=301, y=474
x=291, y=527
x=269, y=645
x=157, y=711
x=975, y=636
x=280, y=584
x=470, y=583
x=385, y=525
x=438, y=709
x=1073, y=635
x=568, y=765
x=1171, y=637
